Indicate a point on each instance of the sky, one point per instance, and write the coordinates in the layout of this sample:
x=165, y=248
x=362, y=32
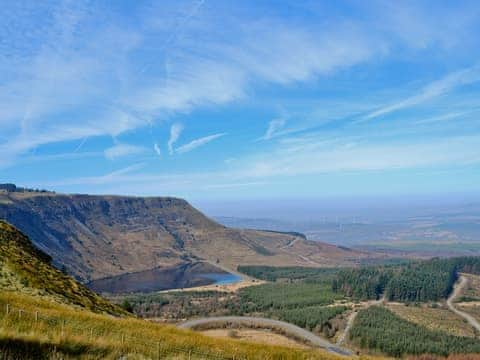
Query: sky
x=216, y=100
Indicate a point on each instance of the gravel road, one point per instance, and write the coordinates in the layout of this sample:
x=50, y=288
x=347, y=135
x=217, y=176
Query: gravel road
x=290, y=329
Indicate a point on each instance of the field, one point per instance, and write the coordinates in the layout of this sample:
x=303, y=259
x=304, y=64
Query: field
x=433, y=318
x=256, y=336
x=469, y=300
x=472, y=308
x=472, y=291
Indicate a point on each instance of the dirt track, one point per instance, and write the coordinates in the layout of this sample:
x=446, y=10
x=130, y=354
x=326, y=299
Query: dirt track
x=459, y=286
x=289, y=329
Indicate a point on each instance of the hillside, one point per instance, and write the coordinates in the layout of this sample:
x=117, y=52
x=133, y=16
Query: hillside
x=45, y=314
x=62, y=332
x=27, y=270
x=100, y=236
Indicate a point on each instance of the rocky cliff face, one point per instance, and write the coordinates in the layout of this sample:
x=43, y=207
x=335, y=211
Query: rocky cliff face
x=100, y=236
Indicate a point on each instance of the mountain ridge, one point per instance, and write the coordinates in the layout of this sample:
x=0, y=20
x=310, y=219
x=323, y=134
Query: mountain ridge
x=97, y=236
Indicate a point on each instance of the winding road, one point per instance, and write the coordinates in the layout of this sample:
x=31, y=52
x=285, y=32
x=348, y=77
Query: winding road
x=289, y=329
x=459, y=286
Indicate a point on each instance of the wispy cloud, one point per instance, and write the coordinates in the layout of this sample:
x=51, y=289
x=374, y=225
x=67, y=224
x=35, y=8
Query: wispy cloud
x=431, y=91
x=79, y=70
x=109, y=178
x=122, y=150
x=313, y=155
x=175, y=131
x=273, y=126
x=445, y=117
x=60, y=71
x=197, y=143
x=157, y=150
x=61, y=156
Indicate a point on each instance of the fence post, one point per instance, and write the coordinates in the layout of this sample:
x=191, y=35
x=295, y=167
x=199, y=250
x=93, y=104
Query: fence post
x=123, y=339
x=8, y=309
x=189, y=354
x=20, y=313
x=91, y=333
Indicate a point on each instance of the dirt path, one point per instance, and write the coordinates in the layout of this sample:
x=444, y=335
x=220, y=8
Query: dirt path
x=341, y=339
x=350, y=321
x=290, y=329
x=459, y=286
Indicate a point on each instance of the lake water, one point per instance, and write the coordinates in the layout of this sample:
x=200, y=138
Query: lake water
x=222, y=279
x=182, y=276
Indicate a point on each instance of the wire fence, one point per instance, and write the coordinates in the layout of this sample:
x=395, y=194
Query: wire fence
x=154, y=348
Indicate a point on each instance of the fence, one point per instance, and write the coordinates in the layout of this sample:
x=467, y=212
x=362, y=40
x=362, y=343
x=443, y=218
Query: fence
x=161, y=350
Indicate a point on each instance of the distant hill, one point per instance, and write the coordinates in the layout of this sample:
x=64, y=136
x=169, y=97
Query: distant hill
x=101, y=236
x=26, y=270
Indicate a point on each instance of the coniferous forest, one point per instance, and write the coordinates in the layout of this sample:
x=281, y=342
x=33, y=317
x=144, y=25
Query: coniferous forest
x=377, y=328
x=422, y=281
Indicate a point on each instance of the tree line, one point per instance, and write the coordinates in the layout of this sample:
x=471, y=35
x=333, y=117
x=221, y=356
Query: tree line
x=422, y=281
x=292, y=273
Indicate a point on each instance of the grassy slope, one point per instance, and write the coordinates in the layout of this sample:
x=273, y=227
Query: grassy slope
x=83, y=334
x=25, y=269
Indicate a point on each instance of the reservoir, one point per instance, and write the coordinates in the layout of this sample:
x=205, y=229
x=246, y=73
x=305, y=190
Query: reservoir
x=182, y=276
x=222, y=278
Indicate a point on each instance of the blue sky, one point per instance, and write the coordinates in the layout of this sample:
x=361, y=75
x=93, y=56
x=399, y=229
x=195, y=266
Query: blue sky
x=241, y=99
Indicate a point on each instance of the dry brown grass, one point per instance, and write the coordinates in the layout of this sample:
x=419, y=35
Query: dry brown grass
x=469, y=299
x=472, y=309
x=439, y=318
x=472, y=290
x=256, y=336
x=226, y=288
